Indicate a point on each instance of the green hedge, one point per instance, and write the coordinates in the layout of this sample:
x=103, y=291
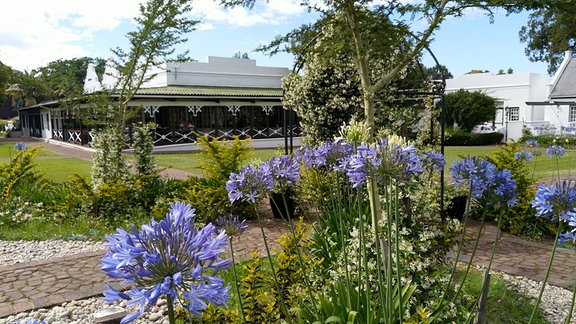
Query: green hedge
x=472, y=139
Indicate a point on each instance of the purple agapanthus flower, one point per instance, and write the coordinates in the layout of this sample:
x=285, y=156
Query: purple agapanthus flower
x=169, y=258
x=328, y=155
x=231, y=224
x=556, y=201
x=20, y=146
x=284, y=170
x=362, y=165
x=523, y=155
x=250, y=184
x=568, y=237
x=476, y=172
x=532, y=143
x=504, y=188
x=435, y=160
x=383, y=160
x=556, y=151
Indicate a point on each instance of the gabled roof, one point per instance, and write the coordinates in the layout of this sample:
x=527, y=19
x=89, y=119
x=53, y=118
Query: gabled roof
x=194, y=91
x=565, y=85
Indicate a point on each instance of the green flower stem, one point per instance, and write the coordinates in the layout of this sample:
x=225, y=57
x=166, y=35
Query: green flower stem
x=547, y=273
x=469, y=265
x=458, y=252
x=364, y=269
x=486, y=278
x=571, y=310
x=498, y=231
x=236, y=280
x=170, y=304
x=388, y=260
x=397, y=250
x=269, y=255
x=298, y=250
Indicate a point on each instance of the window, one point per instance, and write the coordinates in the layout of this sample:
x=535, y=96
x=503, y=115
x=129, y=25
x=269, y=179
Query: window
x=572, y=114
x=513, y=114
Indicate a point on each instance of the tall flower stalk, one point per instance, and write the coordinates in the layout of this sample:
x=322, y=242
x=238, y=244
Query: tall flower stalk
x=170, y=258
x=557, y=202
x=251, y=184
x=234, y=228
x=496, y=187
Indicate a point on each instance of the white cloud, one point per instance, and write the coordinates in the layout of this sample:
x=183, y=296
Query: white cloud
x=42, y=31
x=270, y=12
x=36, y=32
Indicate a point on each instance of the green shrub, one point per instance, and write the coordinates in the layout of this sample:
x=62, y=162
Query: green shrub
x=143, y=148
x=210, y=199
x=257, y=296
x=17, y=172
x=519, y=219
x=294, y=264
x=568, y=142
x=220, y=158
x=459, y=138
x=208, y=194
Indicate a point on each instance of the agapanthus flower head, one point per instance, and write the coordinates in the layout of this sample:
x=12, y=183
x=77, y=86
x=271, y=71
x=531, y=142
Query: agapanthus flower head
x=555, y=151
x=361, y=165
x=523, y=155
x=169, y=258
x=504, y=188
x=435, y=160
x=383, y=160
x=231, y=224
x=20, y=146
x=556, y=201
x=30, y=321
x=532, y=143
x=284, y=170
x=250, y=184
x=478, y=173
x=328, y=154
x=568, y=237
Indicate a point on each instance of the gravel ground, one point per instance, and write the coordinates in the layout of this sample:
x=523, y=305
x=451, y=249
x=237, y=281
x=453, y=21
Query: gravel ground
x=555, y=302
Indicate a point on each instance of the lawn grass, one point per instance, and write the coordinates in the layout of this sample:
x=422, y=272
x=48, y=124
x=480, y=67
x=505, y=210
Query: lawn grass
x=50, y=165
x=190, y=161
x=61, y=168
x=7, y=151
x=58, y=168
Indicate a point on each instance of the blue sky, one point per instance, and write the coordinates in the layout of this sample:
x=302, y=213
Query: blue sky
x=36, y=32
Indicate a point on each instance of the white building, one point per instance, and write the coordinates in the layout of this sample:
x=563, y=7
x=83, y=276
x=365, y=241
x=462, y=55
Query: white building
x=220, y=98
x=541, y=104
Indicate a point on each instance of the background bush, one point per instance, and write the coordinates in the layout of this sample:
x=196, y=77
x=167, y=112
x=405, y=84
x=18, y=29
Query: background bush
x=460, y=138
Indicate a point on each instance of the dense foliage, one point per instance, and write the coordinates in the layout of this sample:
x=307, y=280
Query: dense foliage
x=458, y=137
x=549, y=33
x=468, y=109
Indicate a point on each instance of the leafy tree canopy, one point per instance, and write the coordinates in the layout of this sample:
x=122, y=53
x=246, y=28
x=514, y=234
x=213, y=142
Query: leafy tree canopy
x=371, y=32
x=468, y=109
x=66, y=77
x=550, y=32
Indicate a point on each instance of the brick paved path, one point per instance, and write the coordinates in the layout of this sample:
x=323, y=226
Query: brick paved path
x=47, y=283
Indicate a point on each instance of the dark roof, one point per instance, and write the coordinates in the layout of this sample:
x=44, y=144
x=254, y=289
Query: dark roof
x=203, y=91
x=565, y=86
